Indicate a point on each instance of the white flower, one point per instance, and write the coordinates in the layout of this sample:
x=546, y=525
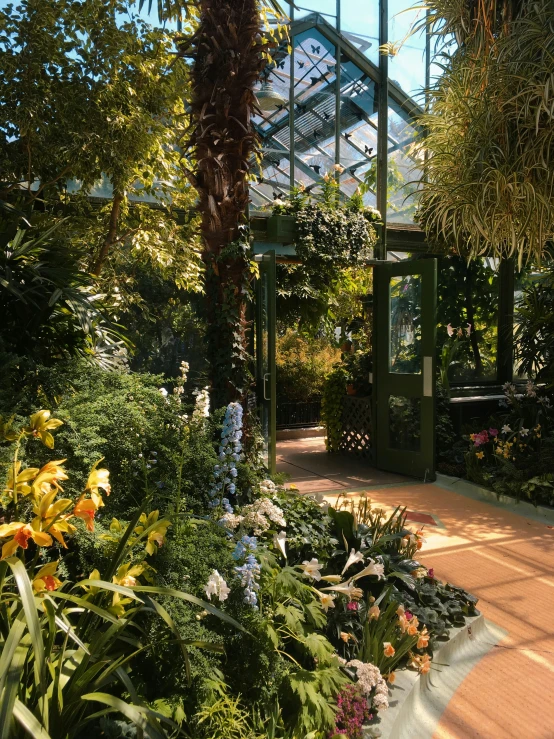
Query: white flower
x=202, y=405
x=373, y=568
x=216, y=585
x=348, y=589
x=506, y=429
x=353, y=559
x=531, y=392
x=279, y=541
x=163, y=392
x=523, y=431
x=312, y=569
x=327, y=601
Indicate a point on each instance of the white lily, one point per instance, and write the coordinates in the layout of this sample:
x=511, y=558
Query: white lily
x=353, y=559
x=348, y=589
x=312, y=569
x=279, y=542
x=327, y=601
x=373, y=568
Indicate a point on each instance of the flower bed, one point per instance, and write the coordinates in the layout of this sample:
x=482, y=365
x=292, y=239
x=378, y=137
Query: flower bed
x=270, y=610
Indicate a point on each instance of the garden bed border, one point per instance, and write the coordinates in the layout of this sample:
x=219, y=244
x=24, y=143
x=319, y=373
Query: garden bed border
x=418, y=702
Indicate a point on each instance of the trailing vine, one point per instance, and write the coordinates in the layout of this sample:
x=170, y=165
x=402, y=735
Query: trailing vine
x=331, y=236
x=331, y=407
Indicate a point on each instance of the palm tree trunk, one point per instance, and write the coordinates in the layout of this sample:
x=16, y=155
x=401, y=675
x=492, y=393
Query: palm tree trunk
x=227, y=52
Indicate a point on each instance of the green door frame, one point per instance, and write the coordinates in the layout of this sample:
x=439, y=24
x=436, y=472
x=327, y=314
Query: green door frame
x=415, y=455
x=266, y=330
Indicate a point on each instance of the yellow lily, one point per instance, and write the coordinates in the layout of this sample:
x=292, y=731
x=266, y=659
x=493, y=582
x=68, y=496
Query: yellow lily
x=156, y=537
x=127, y=575
x=46, y=579
x=18, y=481
x=41, y=424
x=54, y=517
x=99, y=479
x=48, y=477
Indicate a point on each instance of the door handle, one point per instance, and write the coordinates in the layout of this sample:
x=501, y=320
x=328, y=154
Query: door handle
x=266, y=376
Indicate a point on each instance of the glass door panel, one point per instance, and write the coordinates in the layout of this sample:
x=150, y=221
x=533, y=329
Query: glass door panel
x=404, y=389
x=265, y=355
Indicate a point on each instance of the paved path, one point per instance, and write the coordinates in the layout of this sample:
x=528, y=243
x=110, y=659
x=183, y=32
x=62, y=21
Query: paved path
x=506, y=560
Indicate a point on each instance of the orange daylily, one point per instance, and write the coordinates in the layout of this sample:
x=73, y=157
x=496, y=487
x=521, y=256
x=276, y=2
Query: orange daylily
x=374, y=613
x=423, y=639
x=388, y=649
x=422, y=663
x=21, y=533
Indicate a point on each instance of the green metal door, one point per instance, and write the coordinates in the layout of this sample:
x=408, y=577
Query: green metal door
x=265, y=354
x=404, y=367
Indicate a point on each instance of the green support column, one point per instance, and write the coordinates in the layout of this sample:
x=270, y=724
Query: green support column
x=382, y=130
x=291, y=107
x=505, y=354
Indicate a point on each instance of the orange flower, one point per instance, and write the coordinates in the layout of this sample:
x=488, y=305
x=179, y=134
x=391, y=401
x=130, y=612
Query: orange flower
x=345, y=636
x=403, y=623
x=412, y=630
x=374, y=613
x=388, y=649
x=85, y=509
x=391, y=677
x=423, y=639
x=400, y=611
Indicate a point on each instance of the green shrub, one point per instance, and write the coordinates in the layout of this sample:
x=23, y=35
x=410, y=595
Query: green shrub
x=303, y=364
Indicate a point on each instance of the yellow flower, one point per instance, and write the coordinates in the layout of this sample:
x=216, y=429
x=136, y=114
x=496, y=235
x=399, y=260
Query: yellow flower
x=54, y=517
x=127, y=575
x=156, y=537
x=21, y=533
x=18, y=481
x=46, y=579
x=480, y=455
x=99, y=479
x=48, y=477
x=40, y=425
x=388, y=649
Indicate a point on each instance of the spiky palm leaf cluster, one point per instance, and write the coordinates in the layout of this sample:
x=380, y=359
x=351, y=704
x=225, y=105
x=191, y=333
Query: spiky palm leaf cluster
x=488, y=182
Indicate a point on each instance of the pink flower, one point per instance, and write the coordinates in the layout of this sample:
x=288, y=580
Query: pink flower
x=468, y=329
x=481, y=438
x=352, y=606
x=450, y=330
x=431, y=572
x=493, y=432
x=408, y=615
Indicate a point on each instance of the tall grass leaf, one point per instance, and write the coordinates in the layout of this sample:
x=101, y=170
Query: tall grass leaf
x=29, y=721
x=11, y=688
x=137, y=714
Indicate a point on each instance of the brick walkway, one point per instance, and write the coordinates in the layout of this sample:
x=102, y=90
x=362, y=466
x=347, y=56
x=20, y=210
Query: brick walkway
x=507, y=561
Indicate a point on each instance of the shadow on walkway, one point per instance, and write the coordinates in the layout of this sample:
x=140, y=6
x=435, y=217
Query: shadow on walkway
x=313, y=470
